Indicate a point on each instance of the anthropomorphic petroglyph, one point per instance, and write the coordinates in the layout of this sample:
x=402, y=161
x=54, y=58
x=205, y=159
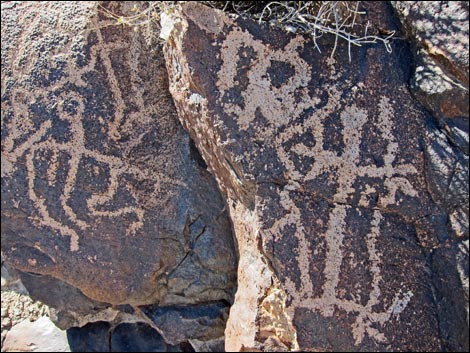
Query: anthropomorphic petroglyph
x=318, y=172
x=342, y=168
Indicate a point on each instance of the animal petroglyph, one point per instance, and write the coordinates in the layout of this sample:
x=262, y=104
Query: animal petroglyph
x=342, y=166
x=101, y=186
x=37, y=143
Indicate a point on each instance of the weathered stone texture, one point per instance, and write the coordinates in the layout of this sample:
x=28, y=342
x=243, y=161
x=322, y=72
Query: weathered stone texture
x=100, y=185
x=105, y=200
x=348, y=195
x=324, y=165
x=439, y=31
x=36, y=336
x=204, y=322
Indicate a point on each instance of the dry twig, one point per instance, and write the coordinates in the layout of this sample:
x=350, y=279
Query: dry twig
x=315, y=18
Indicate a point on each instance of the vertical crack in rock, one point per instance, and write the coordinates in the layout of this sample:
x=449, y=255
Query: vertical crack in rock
x=259, y=284
x=104, y=200
x=323, y=168
x=258, y=318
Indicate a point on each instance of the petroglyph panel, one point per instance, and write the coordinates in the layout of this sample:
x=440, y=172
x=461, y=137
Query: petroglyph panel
x=100, y=186
x=323, y=168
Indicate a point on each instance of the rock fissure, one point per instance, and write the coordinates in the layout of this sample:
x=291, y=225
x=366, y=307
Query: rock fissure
x=348, y=216
x=329, y=191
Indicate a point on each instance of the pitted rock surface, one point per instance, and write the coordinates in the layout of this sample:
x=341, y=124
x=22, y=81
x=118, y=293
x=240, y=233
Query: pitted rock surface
x=439, y=34
x=101, y=187
x=441, y=27
x=439, y=31
x=323, y=163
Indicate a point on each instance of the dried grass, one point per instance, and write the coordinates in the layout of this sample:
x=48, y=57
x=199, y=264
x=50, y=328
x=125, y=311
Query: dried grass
x=145, y=18
x=314, y=18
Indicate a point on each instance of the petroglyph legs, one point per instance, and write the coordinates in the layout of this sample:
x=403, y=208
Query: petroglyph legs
x=67, y=153
x=329, y=301
x=342, y=165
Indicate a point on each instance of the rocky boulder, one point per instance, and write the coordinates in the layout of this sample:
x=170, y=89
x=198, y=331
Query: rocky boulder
x=37, y=336
x=105, y=200
x=190, y=328
x=439, y=33
x=324, y=164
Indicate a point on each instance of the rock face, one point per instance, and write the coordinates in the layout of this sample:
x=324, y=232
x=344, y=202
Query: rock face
x=439, y=33
x=343, y=244
x=440, y=79
x=202, y=322
x=105, y=200
x=346, y=181
x=38, y=336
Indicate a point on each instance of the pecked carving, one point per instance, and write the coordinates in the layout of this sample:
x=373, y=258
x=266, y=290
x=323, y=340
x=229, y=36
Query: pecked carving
x=340, y=209
x=100, y=188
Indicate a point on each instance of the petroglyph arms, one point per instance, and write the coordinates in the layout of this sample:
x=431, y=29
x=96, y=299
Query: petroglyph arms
x=323, y=179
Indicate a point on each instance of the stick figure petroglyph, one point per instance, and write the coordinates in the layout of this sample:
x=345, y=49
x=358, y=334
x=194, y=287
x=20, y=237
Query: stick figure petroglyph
x=343, y=169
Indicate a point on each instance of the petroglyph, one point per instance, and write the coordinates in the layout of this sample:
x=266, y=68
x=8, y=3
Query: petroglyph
x=102, y=189
x=343, y=168
x=328, y=158
x=260, y=93
x=34, y=144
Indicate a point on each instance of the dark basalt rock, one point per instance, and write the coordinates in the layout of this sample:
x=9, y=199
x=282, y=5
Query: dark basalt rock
x=100, y=188
x=439, y=32
x=324, y=164
x=204, y=322
x=139, y=338
x=93, y=337
x=105, y=202
x=346, y=181
x=126, y=337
